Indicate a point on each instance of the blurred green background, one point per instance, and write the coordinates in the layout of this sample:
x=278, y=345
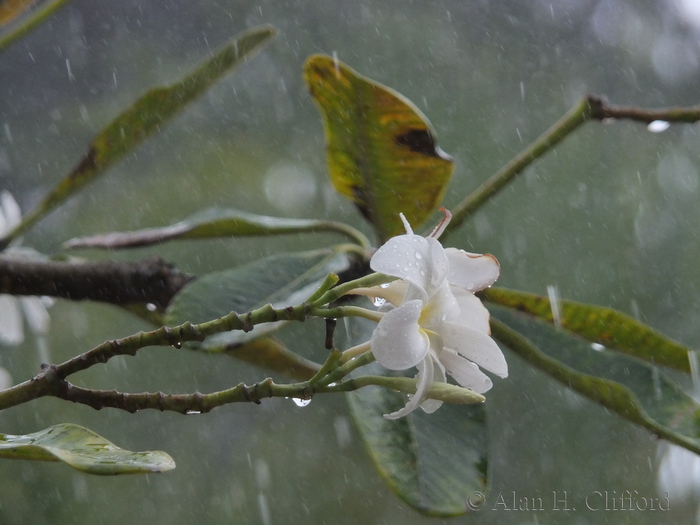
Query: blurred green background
x=609, y=218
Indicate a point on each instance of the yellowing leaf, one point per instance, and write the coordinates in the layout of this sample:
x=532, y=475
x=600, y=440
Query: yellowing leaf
x=597, y=324
x=11, y=9
x=381, y=149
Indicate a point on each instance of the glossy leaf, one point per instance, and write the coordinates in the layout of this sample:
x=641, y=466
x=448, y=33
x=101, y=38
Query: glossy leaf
x=280, y=280
x=147, y=116
x=381, y=149
x=605, y=326
x=83, y=450
x=214, y=222
x=437, y=463
x=633, y=389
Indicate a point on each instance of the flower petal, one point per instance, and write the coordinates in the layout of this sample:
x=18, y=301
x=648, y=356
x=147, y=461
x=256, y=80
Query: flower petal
x=431, y=405
x=472, y=271
x=398, y=342
x=9, y=209
x=425, y=379
x=394, y=293
x=420, y=261
x=475, y=346
x=36, y=314
x=11, y=324
x=464, y=371
x=472, y=312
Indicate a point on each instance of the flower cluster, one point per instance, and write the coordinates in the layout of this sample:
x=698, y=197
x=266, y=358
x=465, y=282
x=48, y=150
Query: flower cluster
x=432, y=318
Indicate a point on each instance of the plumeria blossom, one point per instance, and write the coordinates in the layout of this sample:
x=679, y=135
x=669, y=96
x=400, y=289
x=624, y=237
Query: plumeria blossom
x=14, y=309
x=432, y=318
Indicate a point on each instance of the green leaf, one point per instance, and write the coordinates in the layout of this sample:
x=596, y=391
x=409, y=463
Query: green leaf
x=147, y=116
x=634, y=390
x=605, y=326
x=214, y=222
x=381, y=149
x=437, y=463
x=280, y=280
x=83, y=450
x=272, y=355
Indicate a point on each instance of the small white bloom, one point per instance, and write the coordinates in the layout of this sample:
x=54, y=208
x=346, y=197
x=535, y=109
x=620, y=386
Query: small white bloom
x=13, y=309
x=433, y=320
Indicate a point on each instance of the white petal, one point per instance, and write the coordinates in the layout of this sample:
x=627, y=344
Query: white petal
x=475, y=346
x=11, y=324
x=425, y=379
x=465, y=372
x=431, y=405
x=472, y=312
x=394, y=293
x=420, y=261
x=10, y=209
x=441, y=307
x=35, y=313
x=472, y=271
x=398, y=342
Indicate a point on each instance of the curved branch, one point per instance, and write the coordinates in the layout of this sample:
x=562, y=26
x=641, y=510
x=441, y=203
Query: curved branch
x=590, y=107
x=151, y=280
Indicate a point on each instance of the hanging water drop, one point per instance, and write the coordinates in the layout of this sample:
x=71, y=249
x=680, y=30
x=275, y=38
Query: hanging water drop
x=301, y=402
x=658, y=126
x=378, y=301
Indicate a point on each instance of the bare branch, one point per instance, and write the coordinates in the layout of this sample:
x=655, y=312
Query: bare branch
x=151, y=280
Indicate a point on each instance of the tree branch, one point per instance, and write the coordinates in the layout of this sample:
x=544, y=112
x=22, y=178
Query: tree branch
x=590, y=107
x=151, y=280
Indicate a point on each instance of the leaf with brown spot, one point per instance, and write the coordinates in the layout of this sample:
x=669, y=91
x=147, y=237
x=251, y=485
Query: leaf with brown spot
x=381, y=149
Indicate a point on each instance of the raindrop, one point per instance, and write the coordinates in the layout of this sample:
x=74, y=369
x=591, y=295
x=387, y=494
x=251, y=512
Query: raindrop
x=378, y=301
x=385, y=285
x=336, y=64
x=192, y=412
x=419, y=255
x=177, y=344
x=694, y=372
x=343, y=432
x=658, y=126
x=151, y=307
x=301, y=402
x=554, y=303
x=597, y=347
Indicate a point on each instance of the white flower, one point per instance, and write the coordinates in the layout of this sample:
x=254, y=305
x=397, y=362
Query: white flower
x=433, y=320
x=13, y=309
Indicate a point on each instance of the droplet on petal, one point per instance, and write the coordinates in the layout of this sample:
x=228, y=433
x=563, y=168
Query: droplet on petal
x=378, y=301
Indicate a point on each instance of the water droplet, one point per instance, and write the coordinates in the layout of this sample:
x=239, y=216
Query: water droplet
x=301, y=402
x=378, y=301
x=385, y=285
x=151, y=307
x=177, y=344
x=192, y=412
x=597, y=346
x=419, y=255
x=658, y=126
